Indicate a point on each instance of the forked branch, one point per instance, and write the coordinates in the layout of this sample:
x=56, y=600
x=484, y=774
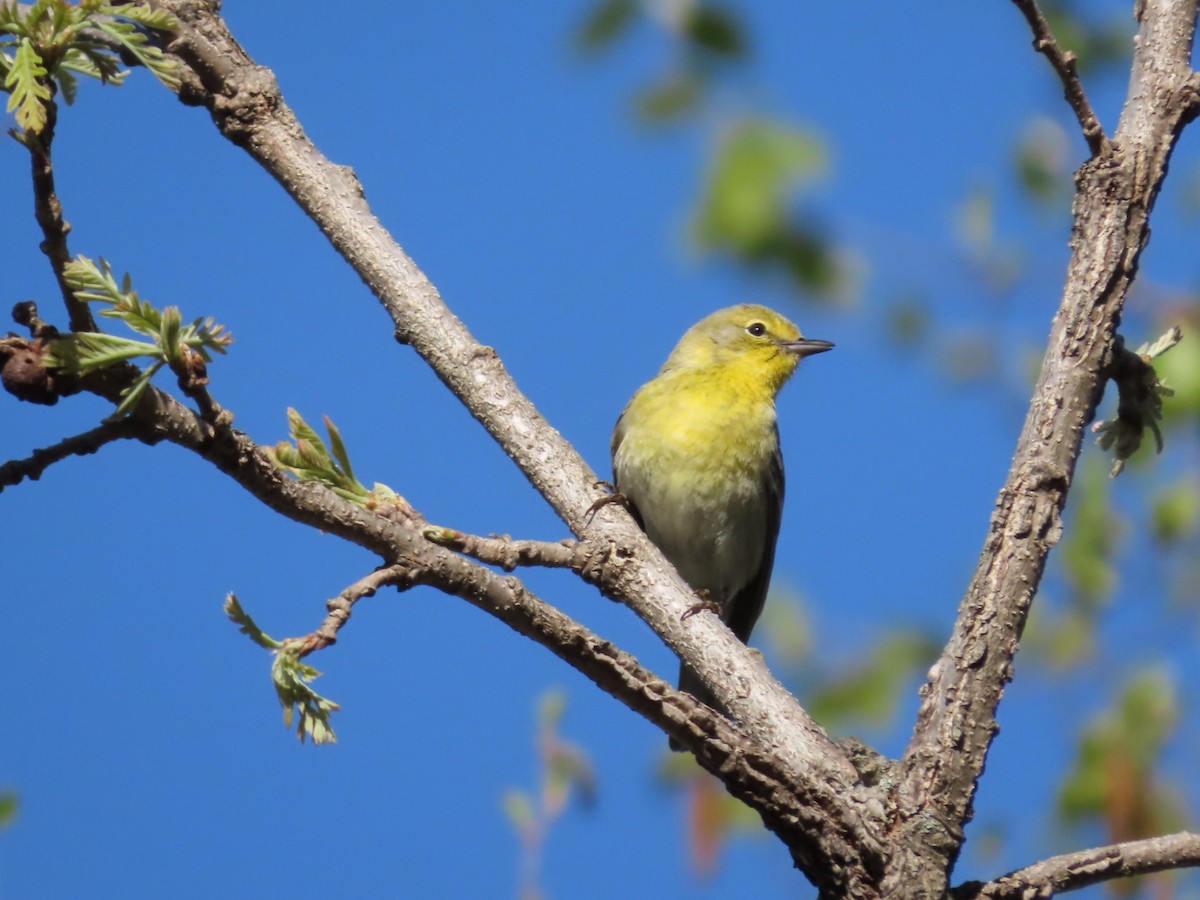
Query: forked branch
x=1063, y=62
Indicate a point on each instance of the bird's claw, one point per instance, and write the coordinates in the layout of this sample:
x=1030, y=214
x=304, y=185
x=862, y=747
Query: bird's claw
x=705, y=604
x=613, y=497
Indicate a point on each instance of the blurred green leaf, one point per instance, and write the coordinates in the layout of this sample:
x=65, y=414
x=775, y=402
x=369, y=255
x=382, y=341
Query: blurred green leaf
x=758, y=165
x=811, y=260
x=1175, y=511
x=909, y=319
x=870, y=692
x=565, y=771
x=968, y=357
x=519, y=808
x=1042, y=163
x=10, y=805
x=1059, y=639
x=1090, y=541
x=604, y=23
x=551, y=707
x=1114, y=779
x=713, y=814
x=1181, y=369
x=678, y=94
x=715, y=30
x=785, y=627
x=747, y=206
x=1096, y=44
x=976, y=219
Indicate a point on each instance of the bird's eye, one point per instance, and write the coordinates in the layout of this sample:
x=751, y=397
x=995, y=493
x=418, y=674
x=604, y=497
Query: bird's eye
x=758, y=329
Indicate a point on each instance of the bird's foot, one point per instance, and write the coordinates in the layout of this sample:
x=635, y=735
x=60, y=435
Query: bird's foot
x=612, y=497
x=705, y=604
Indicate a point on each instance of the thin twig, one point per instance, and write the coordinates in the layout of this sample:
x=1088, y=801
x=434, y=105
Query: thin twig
x=504, y=551
x=49, y=214
x=1063, y=62
x=192, y=376
x=340, y=607
x=1073, y=871
x=17, y=470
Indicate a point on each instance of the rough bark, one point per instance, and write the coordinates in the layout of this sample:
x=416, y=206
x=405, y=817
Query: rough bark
x=858, y=825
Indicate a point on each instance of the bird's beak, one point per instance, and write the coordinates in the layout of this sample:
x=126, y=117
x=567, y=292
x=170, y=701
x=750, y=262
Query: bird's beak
x=806, y=347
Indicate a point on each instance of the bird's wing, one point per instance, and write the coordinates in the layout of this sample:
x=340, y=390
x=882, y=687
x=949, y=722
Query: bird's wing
x=746, y=606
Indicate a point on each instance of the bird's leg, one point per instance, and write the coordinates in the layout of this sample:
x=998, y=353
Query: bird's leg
x=705, y=604
x=611, y=497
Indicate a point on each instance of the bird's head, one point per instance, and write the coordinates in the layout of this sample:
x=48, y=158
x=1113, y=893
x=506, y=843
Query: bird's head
x=752, y=340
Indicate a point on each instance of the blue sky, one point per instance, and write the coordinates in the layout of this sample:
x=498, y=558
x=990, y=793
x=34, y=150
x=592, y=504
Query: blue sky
x=142, y=733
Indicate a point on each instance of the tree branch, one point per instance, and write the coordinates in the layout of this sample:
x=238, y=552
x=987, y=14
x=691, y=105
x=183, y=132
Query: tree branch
x=15, y=471
x=49, y=214
x=815, y=822
x=342, y=605
x=508, y=553
x=248, y=108
x=1115, y=192
x=1064, y=64
x=1081, y=869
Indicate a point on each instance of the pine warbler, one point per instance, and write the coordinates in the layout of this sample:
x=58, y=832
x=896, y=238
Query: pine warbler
x=696, y=455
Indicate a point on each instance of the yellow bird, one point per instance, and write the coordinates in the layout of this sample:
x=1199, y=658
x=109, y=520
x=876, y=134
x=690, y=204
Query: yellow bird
x=696, y=455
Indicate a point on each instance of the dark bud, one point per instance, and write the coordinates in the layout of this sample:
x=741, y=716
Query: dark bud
x=25, y=375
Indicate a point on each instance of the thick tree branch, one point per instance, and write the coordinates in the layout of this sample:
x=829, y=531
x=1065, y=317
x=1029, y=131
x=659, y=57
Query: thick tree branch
x=1073, y=871
x=1115, y=193
x=249, y=109
x=815, y=822
x=1064, y=64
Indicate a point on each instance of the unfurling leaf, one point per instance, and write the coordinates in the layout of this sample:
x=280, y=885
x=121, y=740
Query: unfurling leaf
x=291, y=678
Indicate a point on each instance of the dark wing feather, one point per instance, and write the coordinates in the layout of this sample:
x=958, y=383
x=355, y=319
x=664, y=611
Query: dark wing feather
x=747, y=605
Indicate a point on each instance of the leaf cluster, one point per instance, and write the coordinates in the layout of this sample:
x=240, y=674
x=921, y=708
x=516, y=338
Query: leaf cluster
x=747, y=211
x=706, y=35
x=172, y=343
x=1113, y=779
x=309, y=459
x=292, y=678
x=45, y=45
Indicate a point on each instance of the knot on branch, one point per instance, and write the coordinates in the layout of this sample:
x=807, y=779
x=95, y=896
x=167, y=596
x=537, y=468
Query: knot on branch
x=600, y=562
x=245, y=104
x=24, y=371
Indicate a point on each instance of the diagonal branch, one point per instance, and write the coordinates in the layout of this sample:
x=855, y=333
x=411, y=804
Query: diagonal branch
x=956, y=722
x=1081, y=869
x=249, y=109
x=813, y=821
x=342, y=605
x=1064, y=64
